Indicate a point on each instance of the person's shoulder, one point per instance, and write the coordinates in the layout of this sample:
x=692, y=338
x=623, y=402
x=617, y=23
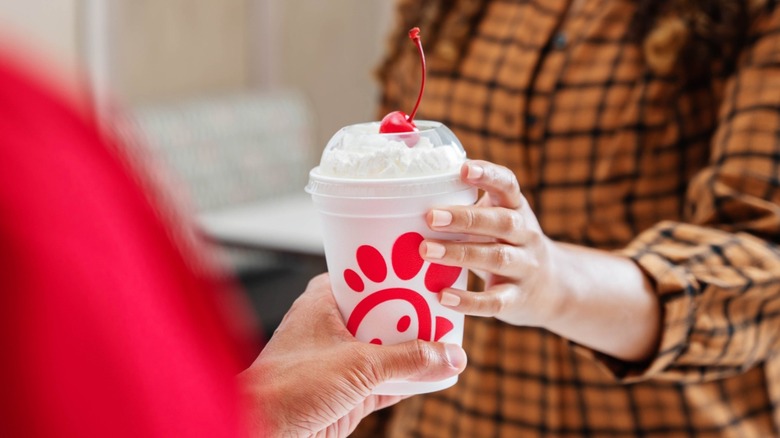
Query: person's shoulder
x=26, y=67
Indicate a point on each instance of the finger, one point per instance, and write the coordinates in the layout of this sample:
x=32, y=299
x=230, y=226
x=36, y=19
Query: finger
x=319, y=282
x=494, y=222
x=489, y=303
x=498, y=182
x=417, y=361
x=496, y=258
x=318, y=290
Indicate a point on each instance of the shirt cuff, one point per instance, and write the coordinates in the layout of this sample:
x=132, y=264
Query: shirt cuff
x=676, y=289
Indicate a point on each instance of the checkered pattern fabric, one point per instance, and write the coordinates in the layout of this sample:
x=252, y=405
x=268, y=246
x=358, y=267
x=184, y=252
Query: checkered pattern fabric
x=682, y=177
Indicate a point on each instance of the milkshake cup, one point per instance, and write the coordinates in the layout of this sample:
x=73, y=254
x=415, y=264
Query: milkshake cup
x=372, y=192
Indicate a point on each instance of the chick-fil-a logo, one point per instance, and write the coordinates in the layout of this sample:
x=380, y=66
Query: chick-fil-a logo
x=406, y=264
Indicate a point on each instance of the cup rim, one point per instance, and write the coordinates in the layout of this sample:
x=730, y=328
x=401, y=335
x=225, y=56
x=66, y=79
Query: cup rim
x=452, y=174
x=329, y=186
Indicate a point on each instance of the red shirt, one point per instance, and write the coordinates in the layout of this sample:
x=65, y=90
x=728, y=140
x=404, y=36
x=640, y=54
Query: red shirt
x=105, y=329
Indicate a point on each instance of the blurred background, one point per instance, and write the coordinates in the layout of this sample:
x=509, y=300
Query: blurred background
x=238, y=97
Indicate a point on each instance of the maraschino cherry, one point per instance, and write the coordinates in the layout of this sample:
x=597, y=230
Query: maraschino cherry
x=397, y=121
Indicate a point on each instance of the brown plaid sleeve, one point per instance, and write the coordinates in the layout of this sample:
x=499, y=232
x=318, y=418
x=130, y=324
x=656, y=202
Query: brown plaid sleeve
x=717, y=272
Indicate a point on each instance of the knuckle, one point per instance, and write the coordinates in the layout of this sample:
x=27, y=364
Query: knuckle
x=501, y=303
x=517, y=221
x=506, y=178
x=510, y=223
x=534, y=264
x=469, y=219
x=514, y=185
x=488, y=305
x=468, y=253
x=318, y=282
x=524, y=204
x=533, y=238
x=481, y=305
x=297, y=305
x=458, y=253
x=368, y=367
x=535, y=260
x=422, y=355
x=502, y=257
x=490, y=171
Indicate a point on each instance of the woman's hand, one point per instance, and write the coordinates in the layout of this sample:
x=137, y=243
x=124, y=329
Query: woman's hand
x=314, y=379
x=508, y=247
x=595, y=298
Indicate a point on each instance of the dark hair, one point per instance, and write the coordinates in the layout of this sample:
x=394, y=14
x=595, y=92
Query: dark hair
x=699, y=31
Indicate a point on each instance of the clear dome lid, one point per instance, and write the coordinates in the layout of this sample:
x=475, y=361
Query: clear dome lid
x=360, y=162
x=361, y=152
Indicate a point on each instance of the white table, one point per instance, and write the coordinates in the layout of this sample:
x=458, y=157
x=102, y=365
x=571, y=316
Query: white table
x=285, y=224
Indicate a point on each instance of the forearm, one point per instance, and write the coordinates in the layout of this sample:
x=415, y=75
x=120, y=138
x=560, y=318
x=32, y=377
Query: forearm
x=607, y=303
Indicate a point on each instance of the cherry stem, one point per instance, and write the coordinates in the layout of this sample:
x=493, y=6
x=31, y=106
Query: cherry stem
x=414, y=34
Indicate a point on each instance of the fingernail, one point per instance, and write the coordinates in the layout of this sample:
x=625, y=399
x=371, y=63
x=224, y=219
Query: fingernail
x=455, y=355
x=448, y=299
x=441, y=218
x=474, y=172
x=434, y=250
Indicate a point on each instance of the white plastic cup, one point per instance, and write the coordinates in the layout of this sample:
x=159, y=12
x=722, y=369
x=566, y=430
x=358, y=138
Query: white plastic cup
x=385, y=292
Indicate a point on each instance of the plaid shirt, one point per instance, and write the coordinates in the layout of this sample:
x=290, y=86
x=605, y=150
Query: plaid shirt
x=684, y=179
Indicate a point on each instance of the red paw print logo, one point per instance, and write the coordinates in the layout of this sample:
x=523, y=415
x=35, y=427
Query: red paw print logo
x=406, y=265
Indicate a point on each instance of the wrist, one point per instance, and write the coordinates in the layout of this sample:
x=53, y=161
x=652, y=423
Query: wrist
x=559, y=290
x=602, y=301
x=259, y=400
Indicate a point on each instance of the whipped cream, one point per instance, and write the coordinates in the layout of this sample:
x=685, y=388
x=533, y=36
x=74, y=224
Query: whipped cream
x=363, y=153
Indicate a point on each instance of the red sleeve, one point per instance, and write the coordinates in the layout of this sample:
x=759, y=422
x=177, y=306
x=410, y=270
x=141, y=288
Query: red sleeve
x=105, y=328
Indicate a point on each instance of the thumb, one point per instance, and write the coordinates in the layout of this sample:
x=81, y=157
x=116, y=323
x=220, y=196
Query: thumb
x=420, y=361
